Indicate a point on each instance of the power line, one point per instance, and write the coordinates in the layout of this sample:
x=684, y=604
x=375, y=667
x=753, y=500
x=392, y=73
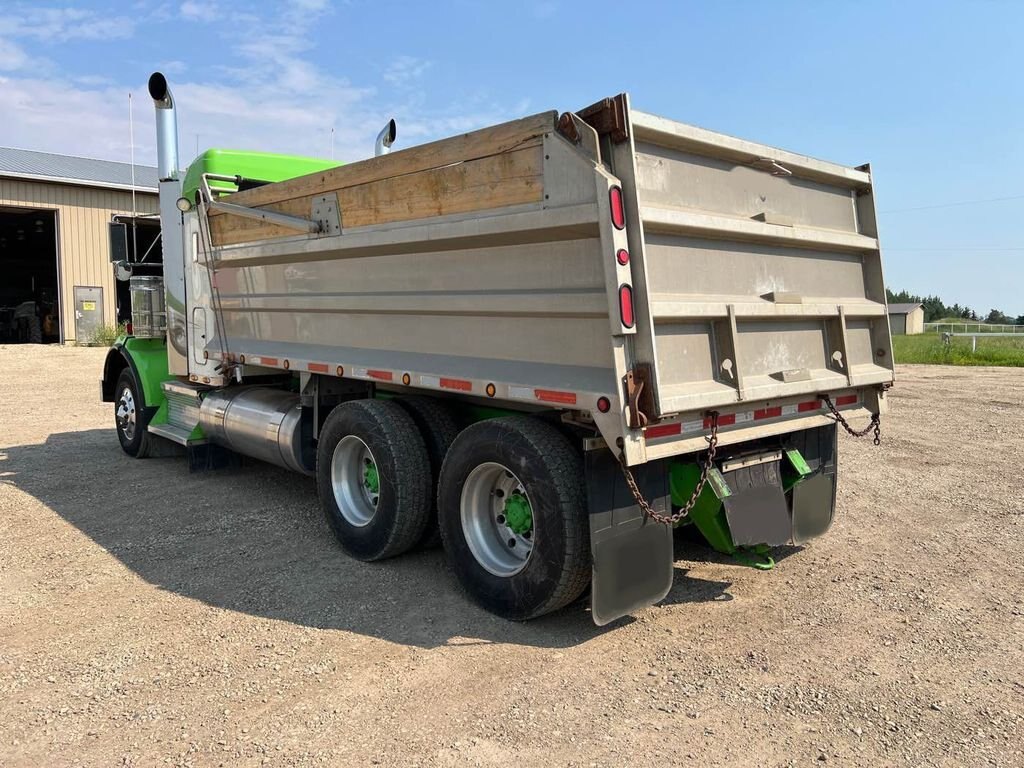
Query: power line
x=957, y=248
x=954, y=205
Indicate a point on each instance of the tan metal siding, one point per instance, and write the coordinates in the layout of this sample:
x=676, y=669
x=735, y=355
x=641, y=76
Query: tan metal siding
x=82, y=217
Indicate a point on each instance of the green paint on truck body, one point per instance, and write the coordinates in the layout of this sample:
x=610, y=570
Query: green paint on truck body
x=149, y=359
x=261, y=166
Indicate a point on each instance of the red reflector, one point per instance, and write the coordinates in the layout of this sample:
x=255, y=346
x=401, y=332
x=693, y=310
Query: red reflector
x=768, y=413
x=626, y=305
x=317, y=367
x=663, y=430
x=813, y=405
x=724, y=420
x=460, y=384
x=622, y=256
x=618, y=209
x=554, y=396
x=128, y=328
x=382, y=375
x=846, y=400
x=604, y=404
x=268, y=361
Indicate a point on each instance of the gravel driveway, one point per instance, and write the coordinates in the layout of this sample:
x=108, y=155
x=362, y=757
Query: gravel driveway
x=149, y=616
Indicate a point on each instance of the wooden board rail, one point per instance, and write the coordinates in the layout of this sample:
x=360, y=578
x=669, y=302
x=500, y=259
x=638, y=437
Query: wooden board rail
x=491, y=168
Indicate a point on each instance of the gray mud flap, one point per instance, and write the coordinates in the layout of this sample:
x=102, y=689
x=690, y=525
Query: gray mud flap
x=756, y=509
x=814, y=498
x=632, y=555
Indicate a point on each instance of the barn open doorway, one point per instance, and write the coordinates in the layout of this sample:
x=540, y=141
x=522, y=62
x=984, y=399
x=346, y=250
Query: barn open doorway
x=29, y=282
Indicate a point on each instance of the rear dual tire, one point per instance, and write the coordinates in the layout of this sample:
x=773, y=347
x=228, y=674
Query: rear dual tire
x=373, y=476
x=511, y=503
x=494, y=473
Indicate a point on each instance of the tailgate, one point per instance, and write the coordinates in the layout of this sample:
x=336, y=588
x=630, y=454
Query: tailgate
x=759, y=274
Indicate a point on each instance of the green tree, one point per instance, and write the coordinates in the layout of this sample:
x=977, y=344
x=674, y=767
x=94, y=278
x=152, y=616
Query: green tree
x=997, y=318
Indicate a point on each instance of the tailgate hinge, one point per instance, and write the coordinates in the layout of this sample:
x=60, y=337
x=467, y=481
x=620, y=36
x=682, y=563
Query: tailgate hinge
x=608, y=117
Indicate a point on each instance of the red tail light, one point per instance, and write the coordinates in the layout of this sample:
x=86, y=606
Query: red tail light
x=626, y=305
x=618, y=209
x=622, y=256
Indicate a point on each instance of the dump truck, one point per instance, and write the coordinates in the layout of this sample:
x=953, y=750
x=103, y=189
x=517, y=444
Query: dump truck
x=544, y=345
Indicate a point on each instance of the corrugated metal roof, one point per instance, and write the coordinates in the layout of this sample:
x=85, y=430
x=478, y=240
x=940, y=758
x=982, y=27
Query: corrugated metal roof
x=45, y=166
x=902, y=309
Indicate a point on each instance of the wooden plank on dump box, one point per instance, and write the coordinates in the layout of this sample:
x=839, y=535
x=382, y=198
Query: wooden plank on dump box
x=495, y=181
x=468, y=146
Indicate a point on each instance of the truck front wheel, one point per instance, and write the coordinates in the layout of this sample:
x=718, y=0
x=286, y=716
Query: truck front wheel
x=373, y=475
x=128, y=415
x=512, y=512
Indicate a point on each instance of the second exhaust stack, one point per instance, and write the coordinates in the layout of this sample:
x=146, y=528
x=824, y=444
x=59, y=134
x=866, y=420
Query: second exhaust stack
x=166, y=128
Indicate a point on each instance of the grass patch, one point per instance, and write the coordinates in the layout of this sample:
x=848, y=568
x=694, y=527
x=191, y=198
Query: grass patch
x=930, y=348
x=105, y=335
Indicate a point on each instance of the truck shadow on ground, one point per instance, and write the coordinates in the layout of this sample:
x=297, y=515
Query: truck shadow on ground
x=253, y=539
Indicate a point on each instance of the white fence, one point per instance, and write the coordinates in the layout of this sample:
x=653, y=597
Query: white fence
x=973, y=328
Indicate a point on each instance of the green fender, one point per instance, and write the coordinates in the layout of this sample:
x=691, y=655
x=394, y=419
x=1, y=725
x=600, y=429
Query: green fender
x=148, y=360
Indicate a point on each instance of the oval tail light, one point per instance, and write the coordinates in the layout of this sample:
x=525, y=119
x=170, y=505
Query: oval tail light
x=626, y=305
x=618, y=208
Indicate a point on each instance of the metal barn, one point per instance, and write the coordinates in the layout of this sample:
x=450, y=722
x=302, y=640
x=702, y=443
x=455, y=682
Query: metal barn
x=56, y=213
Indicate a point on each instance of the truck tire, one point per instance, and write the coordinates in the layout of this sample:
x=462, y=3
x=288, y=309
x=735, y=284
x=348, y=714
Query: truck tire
x=513, y=516
x=437, y=426
x=129, y=407
x=373, y=476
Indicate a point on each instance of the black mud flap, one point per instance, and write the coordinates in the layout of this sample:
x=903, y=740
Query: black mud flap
x=814, y=498
x=632, y=554
x=756, y=509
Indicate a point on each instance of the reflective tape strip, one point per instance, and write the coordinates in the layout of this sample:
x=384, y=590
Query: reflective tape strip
x=847, y=400
x=318, y=367
x=693, y=426
x=459, y=384
x=554, y=396
x=380, y=375
x=789, y=410
x=663, y=430
x=434, y=382
x=521, y=393
x=268, y=361
x=813, y=405
x=768, y=413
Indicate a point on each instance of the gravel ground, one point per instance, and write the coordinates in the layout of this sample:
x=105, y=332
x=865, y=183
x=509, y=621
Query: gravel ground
x=149, y=616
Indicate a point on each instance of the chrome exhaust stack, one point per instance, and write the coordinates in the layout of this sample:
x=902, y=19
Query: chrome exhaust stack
x=386, y=138
x=166, y=128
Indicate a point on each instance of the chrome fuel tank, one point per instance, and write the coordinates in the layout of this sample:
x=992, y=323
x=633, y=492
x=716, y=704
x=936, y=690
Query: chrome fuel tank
x=263, y=423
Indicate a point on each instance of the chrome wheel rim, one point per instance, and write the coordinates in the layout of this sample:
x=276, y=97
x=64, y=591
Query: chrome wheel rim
x=491, y=507
x=355, y=480
x=125, y=414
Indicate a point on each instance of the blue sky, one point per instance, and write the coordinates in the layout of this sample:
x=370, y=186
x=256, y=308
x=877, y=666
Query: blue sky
x=929, y=93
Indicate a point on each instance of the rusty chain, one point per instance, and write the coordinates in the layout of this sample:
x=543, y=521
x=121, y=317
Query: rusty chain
x=875, y=424
x=709, y=463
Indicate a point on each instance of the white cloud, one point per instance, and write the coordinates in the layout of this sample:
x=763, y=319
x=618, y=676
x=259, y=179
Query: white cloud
x=57, y=25
x=263, y=92
x=12, y=56
x=199, y=11
x=404, y=70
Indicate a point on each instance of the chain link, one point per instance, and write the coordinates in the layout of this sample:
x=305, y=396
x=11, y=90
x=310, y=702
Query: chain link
x=874, y=425
x=708, y=465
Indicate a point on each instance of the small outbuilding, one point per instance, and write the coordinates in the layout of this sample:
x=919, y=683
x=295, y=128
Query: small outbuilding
x=57, y=282
x=906, y=319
